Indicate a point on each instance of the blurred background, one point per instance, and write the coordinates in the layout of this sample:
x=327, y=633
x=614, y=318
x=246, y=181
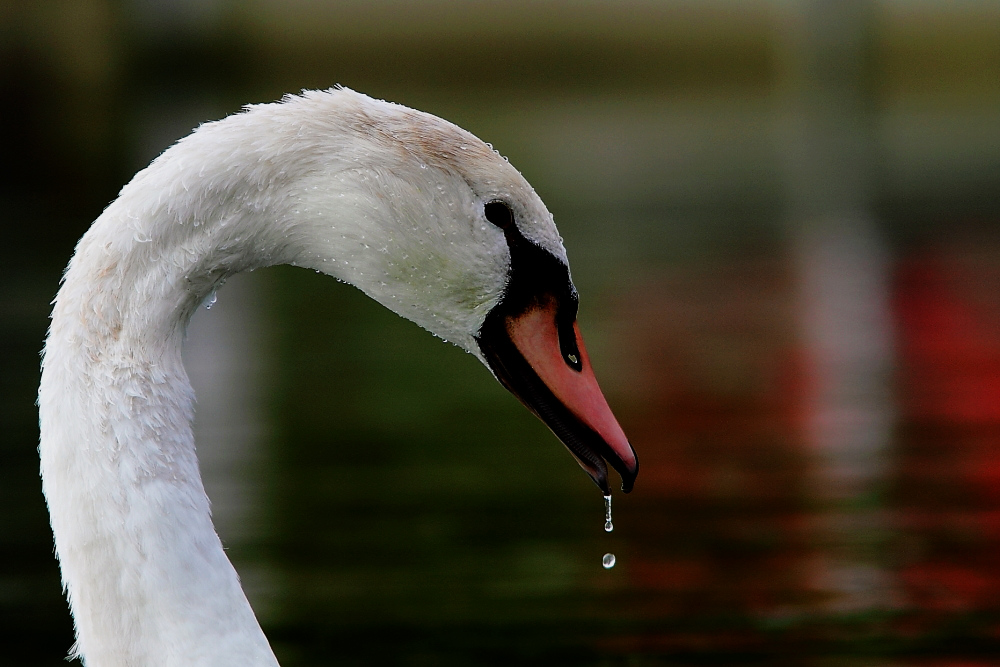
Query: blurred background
x=783, y=217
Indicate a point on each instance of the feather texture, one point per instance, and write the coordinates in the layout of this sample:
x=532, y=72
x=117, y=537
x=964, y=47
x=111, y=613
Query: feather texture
x=375, y=194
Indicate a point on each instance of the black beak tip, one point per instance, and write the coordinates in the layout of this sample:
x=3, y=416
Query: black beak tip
x=600, y=477
x=628, y=480
x=628, y=474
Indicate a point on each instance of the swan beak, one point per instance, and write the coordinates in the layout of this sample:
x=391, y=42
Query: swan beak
x=552, y=376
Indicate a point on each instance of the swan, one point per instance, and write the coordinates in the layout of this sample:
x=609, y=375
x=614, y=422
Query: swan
x=419, y=214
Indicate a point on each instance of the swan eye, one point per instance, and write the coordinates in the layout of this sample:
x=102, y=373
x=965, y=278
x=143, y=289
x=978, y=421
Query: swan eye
x=499, y=214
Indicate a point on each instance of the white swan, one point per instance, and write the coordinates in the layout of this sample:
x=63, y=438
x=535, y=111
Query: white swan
x=419, y=214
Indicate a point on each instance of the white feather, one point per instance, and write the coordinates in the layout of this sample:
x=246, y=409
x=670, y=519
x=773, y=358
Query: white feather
x=376, y=194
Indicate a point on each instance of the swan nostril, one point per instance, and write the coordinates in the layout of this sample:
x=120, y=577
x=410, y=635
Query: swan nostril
x=568, y=345
x=498, y=213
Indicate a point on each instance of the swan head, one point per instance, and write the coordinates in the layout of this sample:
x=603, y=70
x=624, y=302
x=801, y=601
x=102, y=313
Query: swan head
x=435, y=225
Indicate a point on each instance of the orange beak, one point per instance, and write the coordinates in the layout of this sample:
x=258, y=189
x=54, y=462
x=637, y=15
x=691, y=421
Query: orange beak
x=547, y=367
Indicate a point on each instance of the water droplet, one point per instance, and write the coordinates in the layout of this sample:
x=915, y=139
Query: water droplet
x=608, y=526
x=608, y=561
x=211, y=301
x=423, y=166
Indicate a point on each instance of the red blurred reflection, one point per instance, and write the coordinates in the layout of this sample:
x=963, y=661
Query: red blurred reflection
x=732, y=525
x=947, y=307
x=720, y=383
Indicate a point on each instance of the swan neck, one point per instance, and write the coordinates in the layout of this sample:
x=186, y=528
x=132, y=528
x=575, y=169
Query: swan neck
x=379, y=196
x=145, y=572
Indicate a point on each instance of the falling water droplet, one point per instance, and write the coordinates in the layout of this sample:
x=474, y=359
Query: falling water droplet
x=608, y=526
x=211, y=301
x=608, y=561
